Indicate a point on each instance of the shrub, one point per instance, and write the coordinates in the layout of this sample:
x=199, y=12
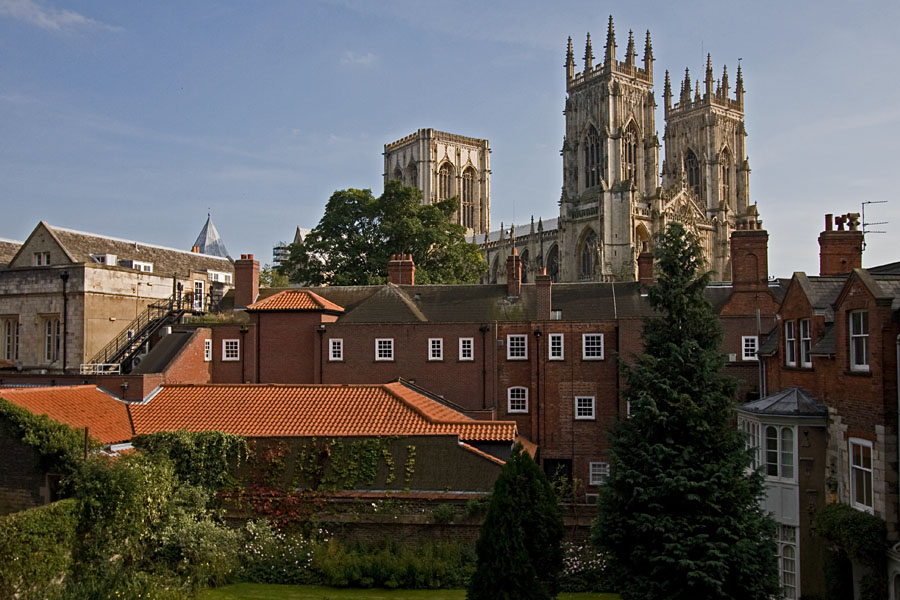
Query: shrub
x=272, y=556
x=36, y=546
x=443, y=514
x=583, y=569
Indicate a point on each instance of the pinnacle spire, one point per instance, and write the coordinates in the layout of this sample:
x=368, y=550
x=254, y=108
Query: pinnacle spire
x=697, y=91
x=648, y=55
x=686, y=88
x=725, y=86
x=610, y=58
x=570, y=61
x=739, y=85
x=209, y=241
x=709, y=80
x=629, y=52
x=667, y=93
x=588, y=56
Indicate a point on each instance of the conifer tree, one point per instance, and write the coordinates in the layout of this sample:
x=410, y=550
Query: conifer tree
x=679, y=516
x=519, y=552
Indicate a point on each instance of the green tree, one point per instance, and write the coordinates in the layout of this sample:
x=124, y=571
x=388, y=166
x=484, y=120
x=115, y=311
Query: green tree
x=271, y=277
x=358, y=233
x=679, y=516
x=519, y=552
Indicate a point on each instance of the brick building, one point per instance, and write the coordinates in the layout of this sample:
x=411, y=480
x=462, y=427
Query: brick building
x=836, y=347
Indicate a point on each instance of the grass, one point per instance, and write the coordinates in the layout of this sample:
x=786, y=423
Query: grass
x=258, y=591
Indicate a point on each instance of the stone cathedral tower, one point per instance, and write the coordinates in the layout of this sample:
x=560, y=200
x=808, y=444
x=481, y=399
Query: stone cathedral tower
x=612, y=201
x=610, y=162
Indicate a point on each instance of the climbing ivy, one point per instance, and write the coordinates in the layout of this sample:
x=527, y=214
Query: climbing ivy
x=410, y=467
x=858, y=536
x=200, y=458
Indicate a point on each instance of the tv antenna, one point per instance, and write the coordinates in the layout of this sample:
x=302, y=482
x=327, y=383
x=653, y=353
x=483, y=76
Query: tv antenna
x=866, y=224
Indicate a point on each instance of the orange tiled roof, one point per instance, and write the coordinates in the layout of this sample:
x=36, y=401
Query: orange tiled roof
x=295, y=300
x=78, y=406
x=260, y=410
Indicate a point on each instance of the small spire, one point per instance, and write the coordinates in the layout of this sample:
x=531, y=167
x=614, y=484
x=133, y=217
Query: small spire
x=629, y=52
x=709, y=80
x=610, y=58
x=648, y=55
x=667, y=93
x=725, y=86
x=588, y=56
x=686, y=87
x=739, y=86
x=697, y=92
x=540, y=224
x=532, y=225
x=570, y=61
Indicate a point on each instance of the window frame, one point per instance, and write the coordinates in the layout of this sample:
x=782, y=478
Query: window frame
x=9, y=329
x=867, y=472
x=523, y=337
x=335, y=349
x=787, y=543
x=584, y=346
x=754, y=352
x=592, y=415
x=524, y=399
x=790, y=344
x=435, y=349
x=805, y=336
x=231, y=350
x=463, y=356
x=561, y=338
x=207, y=350
x=51, y=334
x=853, y=336
x=388, y=355
x=598, y=472
x=779, y=452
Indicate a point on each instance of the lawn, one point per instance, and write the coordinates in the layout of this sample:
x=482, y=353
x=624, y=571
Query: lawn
x=256, y=591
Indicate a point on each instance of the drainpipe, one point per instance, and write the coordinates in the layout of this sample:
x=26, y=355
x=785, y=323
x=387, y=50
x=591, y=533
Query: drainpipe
x=65, y=279
x=321, y=331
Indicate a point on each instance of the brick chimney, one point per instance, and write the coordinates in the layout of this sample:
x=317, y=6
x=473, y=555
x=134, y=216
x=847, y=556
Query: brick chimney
x=402, y=269
x=246, y=281
x=543, y=296
x=840, y=251
x=750, y=257
x=645, y=265
x=513, y=274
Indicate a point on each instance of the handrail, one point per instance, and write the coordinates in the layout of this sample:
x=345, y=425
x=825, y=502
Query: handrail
x=134, y=330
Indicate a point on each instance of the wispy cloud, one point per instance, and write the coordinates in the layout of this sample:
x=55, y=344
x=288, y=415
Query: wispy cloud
x=50, y=19
x=360, y=60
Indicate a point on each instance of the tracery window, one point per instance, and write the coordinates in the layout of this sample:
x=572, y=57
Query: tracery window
x=398, y=175
x=553, y=264
x=692, y=169
x=629, y=153
x=726, y=175
x=412, y=175
x=445, y=181
x=467, y=207
x=593, y=158
x=525, y=259
x=588, y=255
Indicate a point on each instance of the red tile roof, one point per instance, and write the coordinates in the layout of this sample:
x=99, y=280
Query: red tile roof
x=257, y=410
x=295, y=300
x=78, y=406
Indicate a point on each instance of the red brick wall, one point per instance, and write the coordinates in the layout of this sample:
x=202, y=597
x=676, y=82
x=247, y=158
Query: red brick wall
x=189, y=365
x=240, y=371
x=287, y=346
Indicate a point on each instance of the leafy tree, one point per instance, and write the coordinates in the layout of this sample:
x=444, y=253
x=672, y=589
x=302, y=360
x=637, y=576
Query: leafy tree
x=519, y=552
x=679, y=516
x=358, y=233
x=271, y=277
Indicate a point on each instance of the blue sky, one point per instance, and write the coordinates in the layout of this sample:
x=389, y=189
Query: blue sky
x=132, y=119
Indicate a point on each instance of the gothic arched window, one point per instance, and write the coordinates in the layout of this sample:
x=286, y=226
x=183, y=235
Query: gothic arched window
x=524, y=258
x=630, y=153
x=412, y=175
x=692, y=169
x=593, y=158
x=553, y=264
x=445, y=181
x=467, y=206
x=725, y=174
x=495, y=269
x=588, y=255
x=398, y=175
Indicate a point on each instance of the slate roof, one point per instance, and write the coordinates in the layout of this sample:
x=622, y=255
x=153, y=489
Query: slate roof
x=294, y=300
x=519, y=231
x=789, y=402
x=888, y=269
x=822, y=292
x=78, y=406
x=826, y=346
x=8, y=249
x=258, y=410
x=209, y=241
x=80, y=245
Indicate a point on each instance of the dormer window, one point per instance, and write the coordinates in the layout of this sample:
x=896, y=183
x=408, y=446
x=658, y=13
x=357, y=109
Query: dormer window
x=219, y=276
x=144, y=267
x=41, y=259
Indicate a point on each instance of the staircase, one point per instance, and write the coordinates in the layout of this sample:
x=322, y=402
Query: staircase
x=121, y=354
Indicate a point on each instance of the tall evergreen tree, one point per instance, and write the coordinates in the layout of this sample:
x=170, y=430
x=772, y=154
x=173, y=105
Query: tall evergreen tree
x=519, y=552
x=679, y=516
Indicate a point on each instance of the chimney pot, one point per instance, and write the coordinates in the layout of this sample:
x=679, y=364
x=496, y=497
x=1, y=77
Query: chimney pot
x=246, y=281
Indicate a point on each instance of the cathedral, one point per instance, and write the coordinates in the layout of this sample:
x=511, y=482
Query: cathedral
x=615, y=193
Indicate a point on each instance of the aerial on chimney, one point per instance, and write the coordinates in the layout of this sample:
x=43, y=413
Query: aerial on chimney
x=840, y=251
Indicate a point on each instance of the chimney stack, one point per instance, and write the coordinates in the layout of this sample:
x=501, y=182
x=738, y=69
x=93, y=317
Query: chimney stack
x=543, y=296
x=645, y=265
x=513, y=274
x=750, y=257
x=840, y=251
x=402, y=269
x=246, y=281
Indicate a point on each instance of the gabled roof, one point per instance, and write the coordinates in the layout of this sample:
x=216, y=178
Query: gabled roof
x=257, y=410
x=8, y=249
x=80, y=245
x=790, y=402
x=822, y=292
x=78, y=406
x=888, y=269
x=296, y=300
x=209, y=241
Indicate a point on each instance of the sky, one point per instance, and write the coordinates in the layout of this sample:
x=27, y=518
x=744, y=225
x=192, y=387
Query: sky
x=134, y=119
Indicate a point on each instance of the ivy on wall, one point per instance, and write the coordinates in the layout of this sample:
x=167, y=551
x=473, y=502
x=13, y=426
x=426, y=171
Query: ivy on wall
x=201, y=458
x=855, y=537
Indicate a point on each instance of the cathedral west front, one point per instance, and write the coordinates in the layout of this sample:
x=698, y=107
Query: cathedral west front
x=615, y=192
